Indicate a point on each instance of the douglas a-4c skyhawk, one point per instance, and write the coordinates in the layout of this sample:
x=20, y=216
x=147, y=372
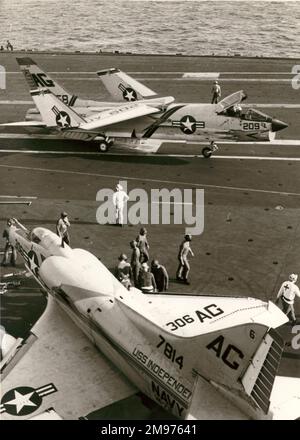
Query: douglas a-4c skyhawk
x=144, y=121
x=199, y=357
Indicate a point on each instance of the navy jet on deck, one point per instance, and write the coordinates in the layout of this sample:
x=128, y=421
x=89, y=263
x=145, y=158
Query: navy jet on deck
x=199, y=357
x=144, y=121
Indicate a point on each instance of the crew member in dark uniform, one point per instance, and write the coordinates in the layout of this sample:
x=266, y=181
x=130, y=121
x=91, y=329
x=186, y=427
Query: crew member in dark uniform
x=160, y=275
x=146, y=280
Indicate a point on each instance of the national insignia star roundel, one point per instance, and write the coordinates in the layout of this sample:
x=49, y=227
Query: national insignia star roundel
x=129, y=94
x=188, y=124
x=33, y=261
x=21, y=401
x=63, y=119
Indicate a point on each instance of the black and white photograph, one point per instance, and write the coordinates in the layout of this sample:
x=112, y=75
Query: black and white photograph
x=149, y=212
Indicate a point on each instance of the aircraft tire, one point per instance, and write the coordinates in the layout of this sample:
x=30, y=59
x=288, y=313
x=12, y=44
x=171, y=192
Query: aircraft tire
x=103, y=147
x=206, y=152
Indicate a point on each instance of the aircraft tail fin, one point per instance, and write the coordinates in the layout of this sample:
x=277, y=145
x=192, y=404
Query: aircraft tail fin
x=123, y=87
x=37, y=78
x=53, y=111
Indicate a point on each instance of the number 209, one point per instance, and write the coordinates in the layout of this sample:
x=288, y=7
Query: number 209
x=251, y=126
x=180, y=322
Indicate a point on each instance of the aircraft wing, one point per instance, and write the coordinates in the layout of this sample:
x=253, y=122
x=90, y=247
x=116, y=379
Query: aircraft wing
x=118, y=114
x=58, y=373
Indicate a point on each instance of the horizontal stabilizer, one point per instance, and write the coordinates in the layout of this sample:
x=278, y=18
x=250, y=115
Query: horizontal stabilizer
x=61, y=370
x=208, y=404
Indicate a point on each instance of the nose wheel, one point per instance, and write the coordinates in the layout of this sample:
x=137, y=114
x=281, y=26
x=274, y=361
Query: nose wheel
x=208, y=151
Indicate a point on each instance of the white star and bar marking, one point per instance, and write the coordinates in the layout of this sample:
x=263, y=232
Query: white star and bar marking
x=188, y=124
x=25, y=400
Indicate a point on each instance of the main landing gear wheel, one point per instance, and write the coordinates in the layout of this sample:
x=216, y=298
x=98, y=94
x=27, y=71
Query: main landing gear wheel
x=103, y=147
x=207, y=152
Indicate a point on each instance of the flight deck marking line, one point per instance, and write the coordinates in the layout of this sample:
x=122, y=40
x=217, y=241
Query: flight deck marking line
x=275, y=143
x=172, y=203
x=148, y=78
x=18, y=197
x=175, y=72
x=140, y=153
x=19, y=102
x=199, y=79
x=170, y=182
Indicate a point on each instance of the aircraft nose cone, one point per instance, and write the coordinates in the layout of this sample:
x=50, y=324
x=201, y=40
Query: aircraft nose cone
x=278, y=125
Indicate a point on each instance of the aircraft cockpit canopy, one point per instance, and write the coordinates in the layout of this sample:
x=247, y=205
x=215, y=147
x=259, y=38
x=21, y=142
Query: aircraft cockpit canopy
x=236, y=111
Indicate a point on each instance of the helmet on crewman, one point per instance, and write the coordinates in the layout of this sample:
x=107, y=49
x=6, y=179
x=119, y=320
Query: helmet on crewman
x=293, y=277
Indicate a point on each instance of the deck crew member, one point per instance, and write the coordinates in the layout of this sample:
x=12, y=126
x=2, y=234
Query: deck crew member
x=146, y=280
x=216, y=92
x=287, y=293
x=143, y=245
x=184, y=266
x=119, y=199
x=62, y=226
x=123, y=271
x=12, y=223
x=135, y=262
x=160, y=275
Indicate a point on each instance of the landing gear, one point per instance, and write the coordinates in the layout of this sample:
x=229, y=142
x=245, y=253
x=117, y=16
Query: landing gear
x=105, y=144
x=208, y=151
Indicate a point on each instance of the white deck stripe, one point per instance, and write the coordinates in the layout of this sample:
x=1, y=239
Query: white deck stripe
x=18, y=197
x=175, y=72
x=92, y=153
x=141, y=179
x=254, y=105
x=275, y=143
x=16, y=101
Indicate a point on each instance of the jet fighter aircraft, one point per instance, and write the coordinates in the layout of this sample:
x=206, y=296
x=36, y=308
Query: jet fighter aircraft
x=146, y=121
x=187, y=353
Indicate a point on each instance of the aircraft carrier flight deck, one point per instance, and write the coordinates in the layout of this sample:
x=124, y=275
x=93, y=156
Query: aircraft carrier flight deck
x=251, y=235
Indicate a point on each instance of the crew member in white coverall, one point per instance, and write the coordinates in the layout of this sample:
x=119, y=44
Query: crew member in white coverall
x=287, y=293
x=119, y=199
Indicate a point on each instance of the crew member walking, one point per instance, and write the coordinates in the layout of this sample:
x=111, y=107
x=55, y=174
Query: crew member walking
x=216, y=92
x=184, y=266
x=119, y=199
x=62, y=226
x=287, y=293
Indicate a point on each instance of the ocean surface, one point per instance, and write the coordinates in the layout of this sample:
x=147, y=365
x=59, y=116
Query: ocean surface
x=255, y=28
